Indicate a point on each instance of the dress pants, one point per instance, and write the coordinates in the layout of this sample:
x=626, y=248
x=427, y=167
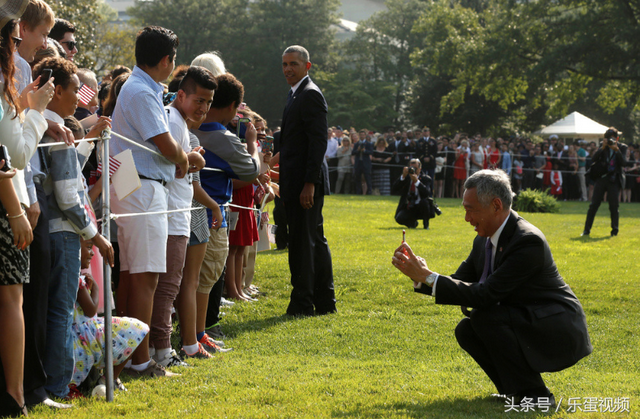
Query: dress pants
x=613, y=191
x=489, y=338
x=409, y=217
x=35, y=305
x=309, y=259
x=280, y=219
x=362, y=169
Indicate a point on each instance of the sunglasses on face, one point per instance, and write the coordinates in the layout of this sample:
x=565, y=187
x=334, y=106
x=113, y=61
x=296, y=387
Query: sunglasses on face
x=70, y=44
x=16, y=41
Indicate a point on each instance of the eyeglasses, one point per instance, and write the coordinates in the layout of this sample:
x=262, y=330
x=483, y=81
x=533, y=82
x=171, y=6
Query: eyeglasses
x=70, y=44
x=16, y=41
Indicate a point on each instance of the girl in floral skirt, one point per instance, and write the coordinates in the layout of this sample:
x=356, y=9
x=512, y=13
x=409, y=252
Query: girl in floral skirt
x=88, y=331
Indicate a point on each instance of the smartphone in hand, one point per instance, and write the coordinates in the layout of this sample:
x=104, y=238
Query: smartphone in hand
x=44, y=77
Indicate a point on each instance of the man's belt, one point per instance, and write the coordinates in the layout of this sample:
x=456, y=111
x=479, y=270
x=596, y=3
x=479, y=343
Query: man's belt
x=160, y=181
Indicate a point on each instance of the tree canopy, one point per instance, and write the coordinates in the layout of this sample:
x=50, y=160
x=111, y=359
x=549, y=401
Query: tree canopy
x=489, y=66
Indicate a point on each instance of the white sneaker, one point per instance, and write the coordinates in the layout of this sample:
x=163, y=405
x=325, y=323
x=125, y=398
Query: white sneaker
x=226, y=303
x=171, y=359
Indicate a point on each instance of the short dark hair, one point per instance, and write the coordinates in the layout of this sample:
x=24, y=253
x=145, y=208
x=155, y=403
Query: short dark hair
x=176, y=77
x=62, y=70
x=154, y=43
x=229, y=91
x=611, y=133
x=300, y=50
x=114, y=91
x=197, y=76
x=60, y=28
x=119, y=69
x=74, y=125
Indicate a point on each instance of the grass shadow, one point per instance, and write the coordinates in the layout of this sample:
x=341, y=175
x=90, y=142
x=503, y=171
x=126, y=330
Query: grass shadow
x=478, y=407
x=235, y=328
x=589, y=239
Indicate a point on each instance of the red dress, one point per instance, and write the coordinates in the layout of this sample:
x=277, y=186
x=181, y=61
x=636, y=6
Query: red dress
x=246, y=231
x=460, y=167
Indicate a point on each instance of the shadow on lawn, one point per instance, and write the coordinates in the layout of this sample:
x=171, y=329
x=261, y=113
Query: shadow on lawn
x=478, y=407
x=237, y=328
x=588, y=239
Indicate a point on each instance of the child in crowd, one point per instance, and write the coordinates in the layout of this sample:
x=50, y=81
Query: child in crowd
x=97, y=263
x=88, y=79
x=68, y=223
x=88, y=331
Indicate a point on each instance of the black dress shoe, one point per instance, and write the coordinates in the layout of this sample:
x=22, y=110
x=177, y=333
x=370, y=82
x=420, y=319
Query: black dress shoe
x=614, y=233
x=322, y=312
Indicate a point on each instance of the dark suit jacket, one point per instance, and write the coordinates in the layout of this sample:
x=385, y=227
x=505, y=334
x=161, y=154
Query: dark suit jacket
x=303, y=142
x=548, y=320
x=402, y=187
x=618, y=158
x=362, y=151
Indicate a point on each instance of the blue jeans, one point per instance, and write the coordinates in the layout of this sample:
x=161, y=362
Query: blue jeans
x=63, y=289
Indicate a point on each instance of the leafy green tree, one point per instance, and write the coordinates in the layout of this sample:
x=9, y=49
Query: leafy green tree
x=250, y=37
x=380, y=54
x=535, y=55
x=117, y=47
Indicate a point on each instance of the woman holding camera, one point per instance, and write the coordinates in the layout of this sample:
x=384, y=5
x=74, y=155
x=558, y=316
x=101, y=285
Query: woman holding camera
x=606, y=170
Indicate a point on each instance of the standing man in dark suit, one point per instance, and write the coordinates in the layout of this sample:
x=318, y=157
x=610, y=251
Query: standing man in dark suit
x=525, y=319
x=362, y=151
x=303, y=184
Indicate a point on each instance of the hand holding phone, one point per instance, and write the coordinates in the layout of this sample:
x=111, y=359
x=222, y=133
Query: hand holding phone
x=44, y=77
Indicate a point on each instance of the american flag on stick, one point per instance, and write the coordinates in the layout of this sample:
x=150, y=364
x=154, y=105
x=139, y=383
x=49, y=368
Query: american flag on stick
x=113, y=166
x=86, y=94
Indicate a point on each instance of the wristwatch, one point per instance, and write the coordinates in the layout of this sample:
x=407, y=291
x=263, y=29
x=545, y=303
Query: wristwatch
x=431, y=279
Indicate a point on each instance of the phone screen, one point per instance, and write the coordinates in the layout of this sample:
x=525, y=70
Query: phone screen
x=44, y=77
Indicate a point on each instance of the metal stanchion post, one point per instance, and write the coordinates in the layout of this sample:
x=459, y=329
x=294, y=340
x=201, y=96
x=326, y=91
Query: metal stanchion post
x=106, y=232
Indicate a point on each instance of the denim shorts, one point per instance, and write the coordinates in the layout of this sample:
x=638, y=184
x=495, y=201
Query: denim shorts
x=193, y=240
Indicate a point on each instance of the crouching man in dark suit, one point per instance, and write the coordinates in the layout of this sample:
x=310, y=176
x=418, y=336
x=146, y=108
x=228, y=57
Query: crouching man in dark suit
x=525, y=319
x=414, y=189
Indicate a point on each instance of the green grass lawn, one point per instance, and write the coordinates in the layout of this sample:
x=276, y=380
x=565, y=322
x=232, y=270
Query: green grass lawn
x=390, y=352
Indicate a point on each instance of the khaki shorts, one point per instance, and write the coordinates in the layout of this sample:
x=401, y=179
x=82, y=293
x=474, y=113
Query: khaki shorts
x=214, y=260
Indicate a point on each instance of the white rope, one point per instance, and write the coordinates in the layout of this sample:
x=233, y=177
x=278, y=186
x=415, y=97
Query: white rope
x=63, y=143
x=115, y=216
x=138, y=145
x=213, y=169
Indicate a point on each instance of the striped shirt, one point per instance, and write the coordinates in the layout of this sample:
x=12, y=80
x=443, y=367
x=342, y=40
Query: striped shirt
x=64, y=187
x=199, y=224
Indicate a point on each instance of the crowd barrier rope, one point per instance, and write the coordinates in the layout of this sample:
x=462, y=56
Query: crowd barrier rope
x=106, y=216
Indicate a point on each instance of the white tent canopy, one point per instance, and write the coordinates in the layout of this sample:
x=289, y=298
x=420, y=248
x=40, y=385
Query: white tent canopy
x=575, y=125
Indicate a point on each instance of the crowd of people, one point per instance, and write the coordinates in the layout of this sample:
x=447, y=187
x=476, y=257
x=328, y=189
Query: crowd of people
x=365, y=162
x=186, y=236
x=184, y=242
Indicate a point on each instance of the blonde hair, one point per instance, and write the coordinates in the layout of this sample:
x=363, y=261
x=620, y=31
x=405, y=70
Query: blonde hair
x=37, y=12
